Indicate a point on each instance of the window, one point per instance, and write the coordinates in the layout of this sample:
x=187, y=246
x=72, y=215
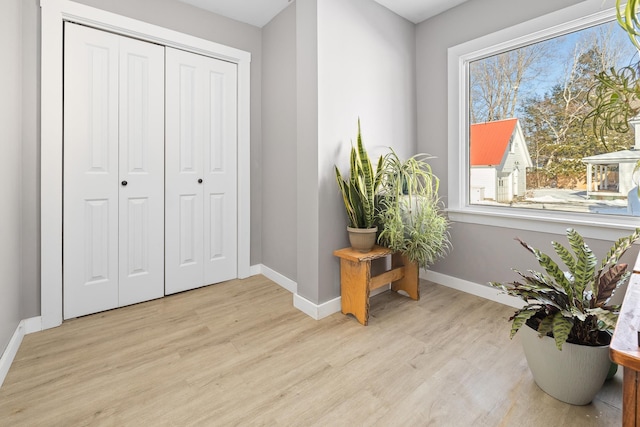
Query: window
x=519, y=154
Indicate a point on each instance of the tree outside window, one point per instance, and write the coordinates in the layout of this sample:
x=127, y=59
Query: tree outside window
x=530, y=135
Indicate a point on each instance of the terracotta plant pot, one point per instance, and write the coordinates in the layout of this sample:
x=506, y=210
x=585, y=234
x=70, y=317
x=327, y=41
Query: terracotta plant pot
x=362, y=239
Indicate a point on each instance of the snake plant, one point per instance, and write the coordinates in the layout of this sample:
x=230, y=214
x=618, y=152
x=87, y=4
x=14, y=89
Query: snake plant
x=572, y=305
x=359, y=191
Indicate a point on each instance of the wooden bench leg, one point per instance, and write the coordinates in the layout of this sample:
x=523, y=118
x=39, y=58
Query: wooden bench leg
x=409, y=282
x=630, y=402
x=354, y=279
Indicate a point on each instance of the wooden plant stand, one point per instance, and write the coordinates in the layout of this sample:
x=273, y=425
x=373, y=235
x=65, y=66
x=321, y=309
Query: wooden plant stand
x=356, y=282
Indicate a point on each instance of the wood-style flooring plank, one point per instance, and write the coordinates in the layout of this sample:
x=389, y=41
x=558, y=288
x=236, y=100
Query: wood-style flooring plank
x=239, y=353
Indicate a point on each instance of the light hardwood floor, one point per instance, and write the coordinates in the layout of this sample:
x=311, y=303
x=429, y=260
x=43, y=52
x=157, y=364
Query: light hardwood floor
x=238, y=353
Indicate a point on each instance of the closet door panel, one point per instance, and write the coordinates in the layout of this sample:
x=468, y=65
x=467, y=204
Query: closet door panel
x=220, y=184
x=141, y=171
x=90, y=199
x=201, y=171
x=183, y=172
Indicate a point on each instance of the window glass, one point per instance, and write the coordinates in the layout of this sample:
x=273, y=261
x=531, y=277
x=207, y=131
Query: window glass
x=529, y=144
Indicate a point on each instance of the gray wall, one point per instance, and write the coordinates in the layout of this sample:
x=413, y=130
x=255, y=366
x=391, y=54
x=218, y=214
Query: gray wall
x=10, y=173
x=355, y=58
x=480, y=253
x=279, y=143
x=307, y=148
x=30, y=260
x=366, y=69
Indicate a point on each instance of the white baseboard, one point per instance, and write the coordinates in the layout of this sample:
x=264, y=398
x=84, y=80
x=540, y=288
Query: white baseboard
x=280, y=279
x=10, y=352
x=313, y=310
x=472, y=288
x=254, y=270
x=32, y=324
x=320, y=311
x=26, y=326
x=316, y=311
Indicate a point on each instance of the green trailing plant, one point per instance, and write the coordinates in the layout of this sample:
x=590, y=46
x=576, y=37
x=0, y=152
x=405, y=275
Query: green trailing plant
x=615, y=96
x=628, y=19
x=614, y=100
x=359, y=190
x=410, y=214
x=571, y=305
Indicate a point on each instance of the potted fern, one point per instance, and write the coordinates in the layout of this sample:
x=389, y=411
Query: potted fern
x=410, y=213
x=567, y=320
x=358, y=194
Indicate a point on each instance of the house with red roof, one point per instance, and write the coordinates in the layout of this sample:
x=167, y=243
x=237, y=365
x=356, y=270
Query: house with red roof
x=499, y=159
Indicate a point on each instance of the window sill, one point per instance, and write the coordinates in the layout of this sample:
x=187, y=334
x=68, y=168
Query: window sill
x=604, y=227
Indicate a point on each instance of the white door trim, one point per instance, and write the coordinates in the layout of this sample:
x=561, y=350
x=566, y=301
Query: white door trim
x=54, y=13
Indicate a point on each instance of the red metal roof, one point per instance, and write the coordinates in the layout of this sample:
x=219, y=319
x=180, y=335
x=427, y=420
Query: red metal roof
x=489, y=141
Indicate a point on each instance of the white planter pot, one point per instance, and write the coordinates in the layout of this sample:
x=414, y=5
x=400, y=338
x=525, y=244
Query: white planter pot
x=573, y=375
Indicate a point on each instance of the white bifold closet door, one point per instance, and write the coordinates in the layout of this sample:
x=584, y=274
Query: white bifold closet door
x=201, y=171
x=113, y=242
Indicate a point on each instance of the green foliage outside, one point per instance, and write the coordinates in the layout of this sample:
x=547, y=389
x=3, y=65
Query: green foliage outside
x=559, y=128
x=558, y=123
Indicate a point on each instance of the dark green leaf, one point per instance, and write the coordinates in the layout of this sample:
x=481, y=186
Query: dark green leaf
x=519, y=318
x=608, y=318
x=561, y=329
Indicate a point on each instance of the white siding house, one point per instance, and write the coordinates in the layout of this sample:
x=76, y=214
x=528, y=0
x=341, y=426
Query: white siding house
x=611, y=174
x=499, y=161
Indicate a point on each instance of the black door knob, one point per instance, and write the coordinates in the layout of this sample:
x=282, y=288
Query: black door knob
x=199, y=180
x=124, y=182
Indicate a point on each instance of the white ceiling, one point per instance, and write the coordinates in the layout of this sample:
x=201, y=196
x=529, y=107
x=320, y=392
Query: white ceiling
x=260, y=12
x=417, y=11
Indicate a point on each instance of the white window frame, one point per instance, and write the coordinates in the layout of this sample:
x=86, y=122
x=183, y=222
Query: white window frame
x=54, y=14
x=582, y=15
